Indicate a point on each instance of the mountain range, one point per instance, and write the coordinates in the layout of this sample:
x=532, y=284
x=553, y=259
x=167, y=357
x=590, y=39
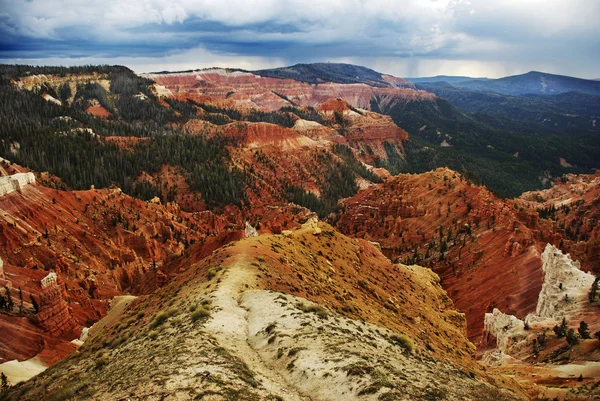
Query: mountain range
x=533, y=82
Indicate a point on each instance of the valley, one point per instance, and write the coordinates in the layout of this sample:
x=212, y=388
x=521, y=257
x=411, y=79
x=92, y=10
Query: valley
x=317, y=232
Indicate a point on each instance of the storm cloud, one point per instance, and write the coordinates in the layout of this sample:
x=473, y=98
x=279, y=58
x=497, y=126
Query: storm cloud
x=406, y=38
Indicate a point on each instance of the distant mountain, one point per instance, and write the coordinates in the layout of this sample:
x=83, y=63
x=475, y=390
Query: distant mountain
x=334, y=72
x=533, y=82
x=564, y=113
x=444, y=78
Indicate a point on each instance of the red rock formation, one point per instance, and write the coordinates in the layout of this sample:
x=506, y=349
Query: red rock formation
x=252, y=91
x=54, y=316
x=486, y=257
x=101, y=243
x=98, y=111
x=570, y=216
x=258, y=135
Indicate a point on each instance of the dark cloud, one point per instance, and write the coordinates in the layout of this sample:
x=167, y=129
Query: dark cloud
x=478, y=37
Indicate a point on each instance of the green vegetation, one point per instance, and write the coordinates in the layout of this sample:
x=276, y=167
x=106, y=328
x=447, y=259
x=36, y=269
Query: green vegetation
x=200, y=314
x=339, y=181
x=583, y=330
x=484, y=148
x=305, y=113
x=224, y=115
x=403, y=341
x=346, y=154
x=307, y=199
x=571, y=338
x=594, y=290
x=333, y=72
x=4, y=385
x=48, y=138
x=312, y=308
x=162, y=317
x=561, y=331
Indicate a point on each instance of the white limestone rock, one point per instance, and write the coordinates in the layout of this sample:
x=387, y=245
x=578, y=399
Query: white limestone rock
x=15, y=182
x=561, y=277
x=250, y=231
x=507, y=329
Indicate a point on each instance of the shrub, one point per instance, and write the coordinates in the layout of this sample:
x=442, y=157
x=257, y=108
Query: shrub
x=102, y=361
x=572, y=338
x=270, y=327
x=583, y=330
x=199, y=314
x=402, y=340
x=358, y=369
x=162, y=317
x=319, y=310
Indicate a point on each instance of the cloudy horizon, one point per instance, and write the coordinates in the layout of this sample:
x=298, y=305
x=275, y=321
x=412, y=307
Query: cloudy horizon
x=403, y=38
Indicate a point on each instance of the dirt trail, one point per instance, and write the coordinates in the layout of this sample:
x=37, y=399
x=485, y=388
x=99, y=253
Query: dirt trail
x=229, y=325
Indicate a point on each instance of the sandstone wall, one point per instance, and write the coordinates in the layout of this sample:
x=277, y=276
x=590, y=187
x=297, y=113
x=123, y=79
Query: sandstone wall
x=15, y=182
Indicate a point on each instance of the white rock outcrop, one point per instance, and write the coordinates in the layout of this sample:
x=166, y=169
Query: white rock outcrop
x=505, y=328
x=250, y=231
x=15, y=182
x=563, y=293
x=49, y=280
x=562, y=279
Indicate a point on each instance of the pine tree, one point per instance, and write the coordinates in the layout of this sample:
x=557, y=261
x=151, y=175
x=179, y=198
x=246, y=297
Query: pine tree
x=561, y=330
x=583, y=330
x=594, y=290
x=571, y=338
x=35, y=305
x=9, y=301
x=5, y=385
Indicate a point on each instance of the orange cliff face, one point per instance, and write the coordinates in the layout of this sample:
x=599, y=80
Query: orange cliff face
x=570, y=216
x=99, y=243
x=246, y=89
x=485, y=256
x=276, y=157
x=373, y=138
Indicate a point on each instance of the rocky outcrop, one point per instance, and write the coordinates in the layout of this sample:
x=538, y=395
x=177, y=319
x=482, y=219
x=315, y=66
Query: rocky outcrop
x=298, y=326
x=563, y=295
x=15, y=182
x=54, y=315
x=570, y=216
x=100, y=243
x=486, y=257
x=532, y=349
x=250, y=231
x=565, y=285
x=244, y=89
x=502, y=328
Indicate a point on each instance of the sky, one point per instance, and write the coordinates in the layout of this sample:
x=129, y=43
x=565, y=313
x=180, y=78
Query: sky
x=406, y=38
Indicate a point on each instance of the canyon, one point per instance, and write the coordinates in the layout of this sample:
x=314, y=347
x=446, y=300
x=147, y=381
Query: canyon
x=329, y=277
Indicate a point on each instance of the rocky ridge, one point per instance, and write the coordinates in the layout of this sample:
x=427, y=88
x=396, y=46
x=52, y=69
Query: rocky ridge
x=485, y=251
x=218, y=332
x=247, y=90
